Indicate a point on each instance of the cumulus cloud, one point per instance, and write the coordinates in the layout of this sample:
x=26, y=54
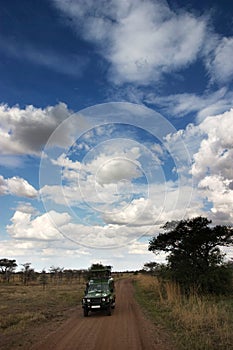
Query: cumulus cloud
x=41, y=227
x=218, y=191
x=216, y=149
x=104, y=177
x=211, y=148
x=116, y=170
x=17, y=186
x=137, y=37
x=138, y=212
x=106, y=236
x=136, y=216
x=54, y=226
x=26, y=207
x=26, y=131
x=120, y=184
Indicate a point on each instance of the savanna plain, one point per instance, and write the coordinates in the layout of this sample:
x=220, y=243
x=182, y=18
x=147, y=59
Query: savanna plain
x=30, y=312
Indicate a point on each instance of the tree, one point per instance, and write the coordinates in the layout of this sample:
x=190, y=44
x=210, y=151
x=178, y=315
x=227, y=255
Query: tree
x=98, y=269
x=7, y=267
x=98, y=266
x=43, y=279
x=56, y=273
x=155, y=268
x=28, y=273
x=151, y=267
x=194, y=256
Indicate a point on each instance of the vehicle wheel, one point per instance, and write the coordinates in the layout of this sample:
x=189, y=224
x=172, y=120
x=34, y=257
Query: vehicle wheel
x=113, y=306
x=109, y=311
x=85, y=312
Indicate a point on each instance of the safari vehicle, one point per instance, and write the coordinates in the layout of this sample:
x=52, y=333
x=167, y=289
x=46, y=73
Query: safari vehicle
x=100, y=293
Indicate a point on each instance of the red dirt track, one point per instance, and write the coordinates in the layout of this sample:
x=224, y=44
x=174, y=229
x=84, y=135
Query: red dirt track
x=126, y=329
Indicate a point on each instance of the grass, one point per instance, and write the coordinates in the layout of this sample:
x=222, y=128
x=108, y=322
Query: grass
x=26, y=309
x=194, y=322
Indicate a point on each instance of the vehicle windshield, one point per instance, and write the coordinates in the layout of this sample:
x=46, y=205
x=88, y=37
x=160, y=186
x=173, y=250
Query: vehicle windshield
x=100, y=287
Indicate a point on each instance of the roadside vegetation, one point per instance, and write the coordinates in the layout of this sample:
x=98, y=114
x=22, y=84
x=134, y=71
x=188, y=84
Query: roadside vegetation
x=194, y=321
x=191, y=295
x=195, y=260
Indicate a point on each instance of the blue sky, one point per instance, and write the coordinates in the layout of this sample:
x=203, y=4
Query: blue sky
x=115, y=117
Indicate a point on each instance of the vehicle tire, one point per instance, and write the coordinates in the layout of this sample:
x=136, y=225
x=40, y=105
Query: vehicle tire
x=85, y=312
x=108, y=311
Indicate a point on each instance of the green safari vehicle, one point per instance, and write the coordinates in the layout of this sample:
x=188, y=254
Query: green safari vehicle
x=99, y=295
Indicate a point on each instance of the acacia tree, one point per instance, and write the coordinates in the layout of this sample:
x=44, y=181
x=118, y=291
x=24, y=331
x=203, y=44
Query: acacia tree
x=7, y=267
x=97, y=267
x=194, y=257
x=43, y=279
x=28, y=273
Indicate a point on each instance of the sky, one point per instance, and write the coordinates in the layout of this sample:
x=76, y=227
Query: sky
x=115, y=117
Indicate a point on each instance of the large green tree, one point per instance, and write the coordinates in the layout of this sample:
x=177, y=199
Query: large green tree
x=194, y=255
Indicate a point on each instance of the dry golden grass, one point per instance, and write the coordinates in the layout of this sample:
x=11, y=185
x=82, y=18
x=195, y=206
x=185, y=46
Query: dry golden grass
x=26, y=309
x=197, y=322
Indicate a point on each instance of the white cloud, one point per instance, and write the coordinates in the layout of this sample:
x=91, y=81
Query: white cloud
x=138, y=212
x=17, y=186
x=53, y=226
x=211, y=148
x=26, y=208
x=21, y=187
x=144, y=45
x=26, y=131
x=179, y=105
x=43, y=254
x=216, y=150
x=104, y=177
x=44, y=227
x=143, y=40
x=137, y=37
x=160, y=202
x=106, y=167
x=117, y=169
x=113, y=186
x=139, y=248
x=220, y=66
x=18, y=248
x=106, y=237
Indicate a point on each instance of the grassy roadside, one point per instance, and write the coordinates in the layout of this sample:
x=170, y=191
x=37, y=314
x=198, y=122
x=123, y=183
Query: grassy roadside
x=27, y=312
x=197, y=323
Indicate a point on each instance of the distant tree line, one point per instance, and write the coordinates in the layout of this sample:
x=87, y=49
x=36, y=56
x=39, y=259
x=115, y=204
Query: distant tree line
x=27, y=274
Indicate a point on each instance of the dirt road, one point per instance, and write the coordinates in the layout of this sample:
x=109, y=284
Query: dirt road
x=126, y=329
